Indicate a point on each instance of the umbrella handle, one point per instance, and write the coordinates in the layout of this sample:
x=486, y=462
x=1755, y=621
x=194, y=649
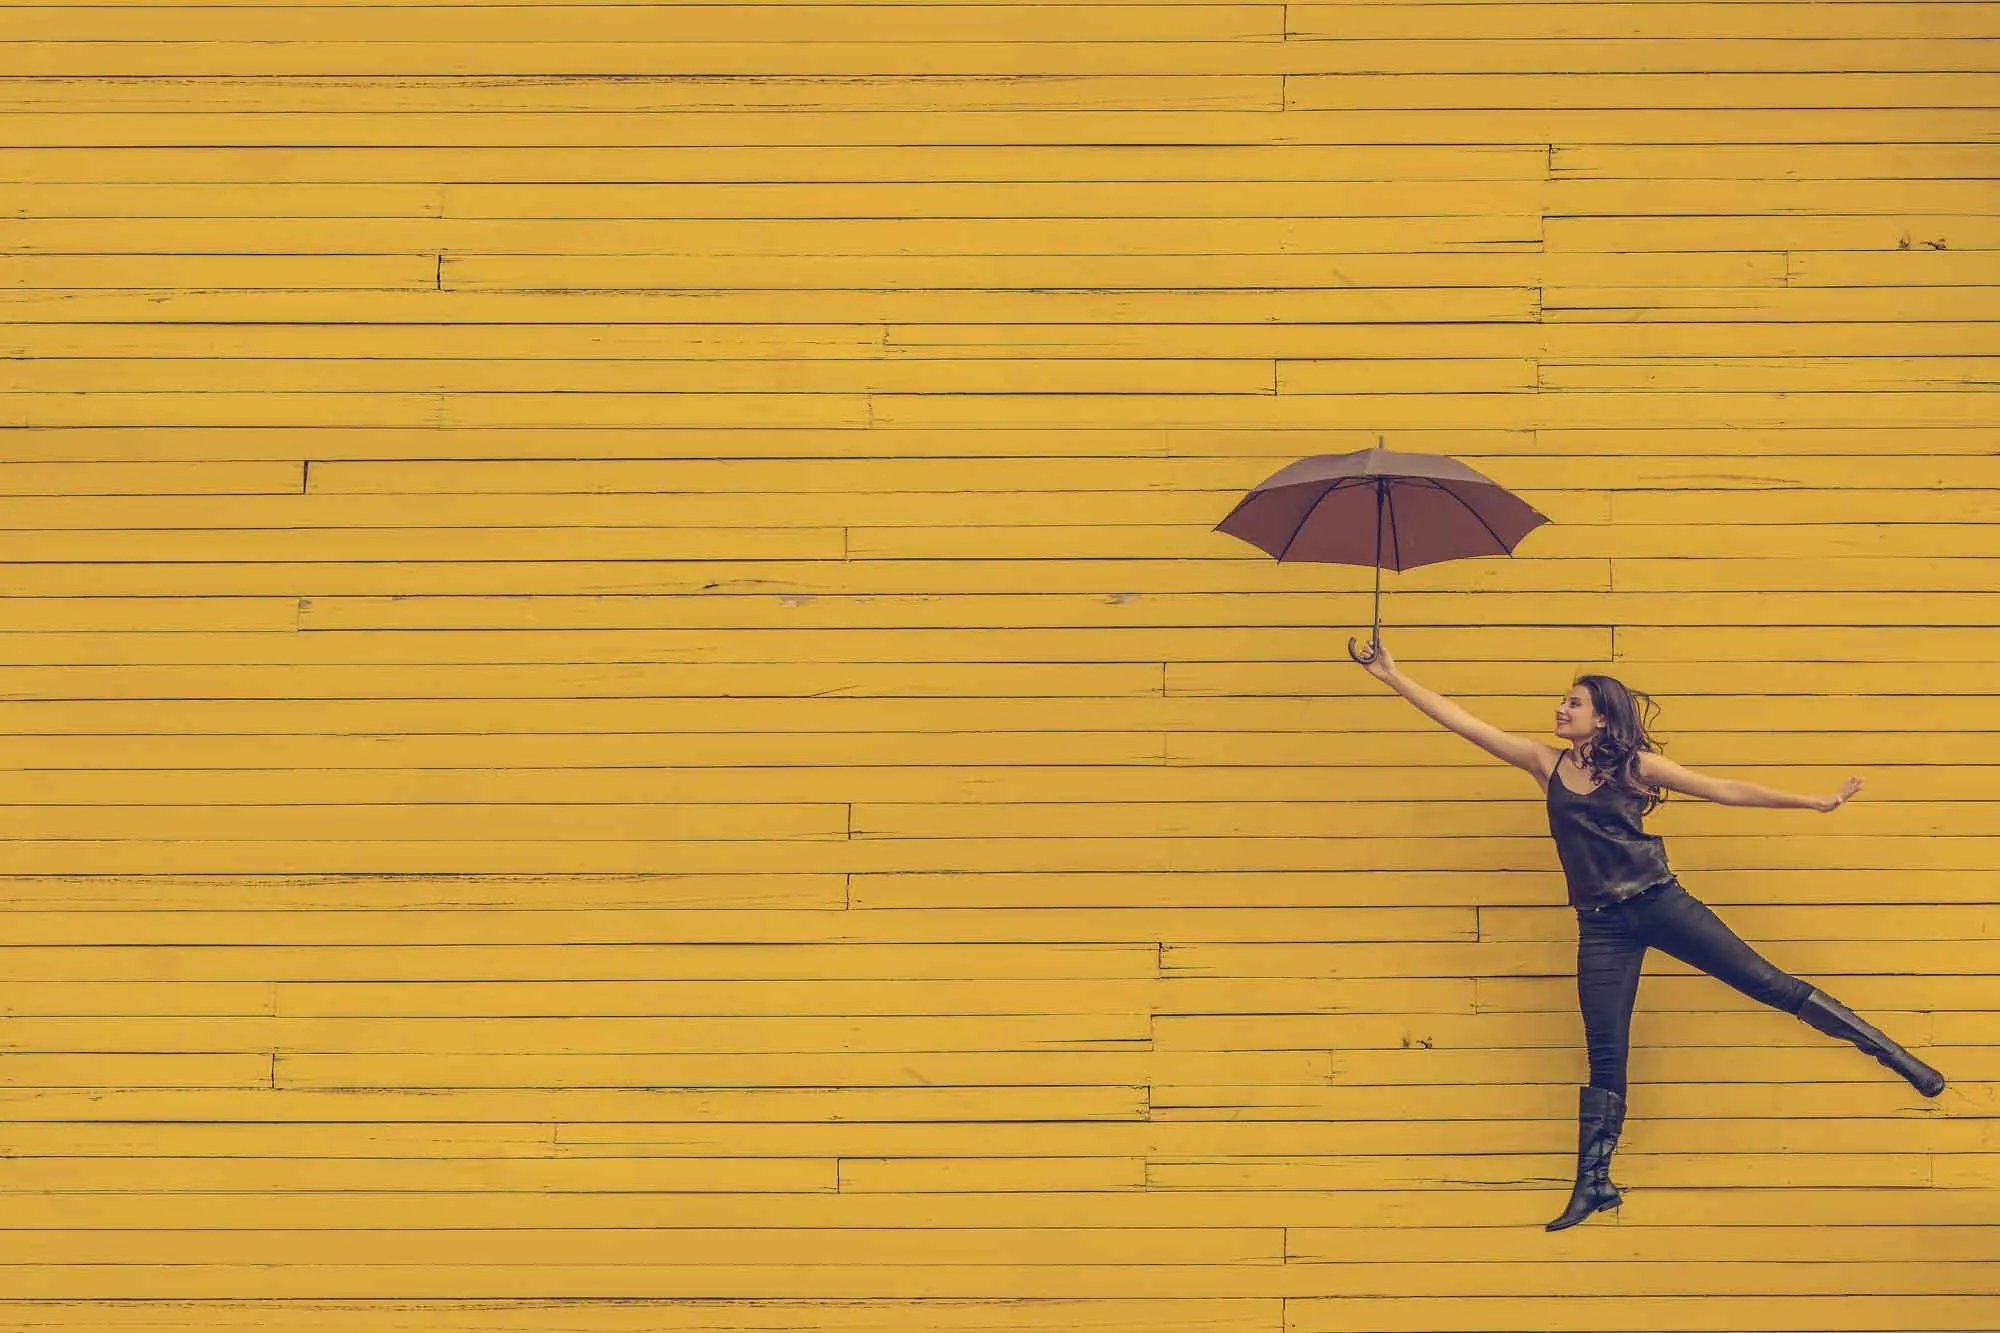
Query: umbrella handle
x=1353, y=650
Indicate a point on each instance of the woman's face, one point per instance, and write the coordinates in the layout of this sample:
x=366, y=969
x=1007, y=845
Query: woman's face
x=1577, y=718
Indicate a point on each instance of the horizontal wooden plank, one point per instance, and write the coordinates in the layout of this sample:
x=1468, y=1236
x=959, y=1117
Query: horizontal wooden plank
x=263, y=90
x=592, y=349
x=1914, y=793
x=171, y=615
x=595, y=163
x=890, y=949
x=770, y=1175
x=1490, y=1213
x=517, y=114
x=1304, y=960
x=1912, y=161
x=1710, y=1104
x=762, y=1033
x=1377, y=198
x=777, y=1247
x=1668, y=681
x=766, y=998
x=1077, y=855
x=1801, y=303
x=1084, y=272
x=1507, y=20
x=1876, y=1108
x=20, y=1069
x=1925, y=266
x=731, y=680
x=1057, y=610
x=698, y=377
x=840, y=577
x=1652, y=1030
x=987, y=370
x=984, y=273
x=32, y=273
x=833, y=236
x=1262, y=411
x=473, y=1314
x=1168, y=819
x=145, y=478
x=810, y=24
x=859, y=55
x=1776, y=86
x=635, y=823
x=776, y=751
x=1533, y=477
x=1400, y=888
x=142, y=409
x=893, y=992
x=1636, y=1313
x=1221, y=715
x=1468, y=659
x=1483, y=410
x=1853, y=229
x=187, y=546
x=795, y=1069
x=480, y=507
x=730, y=1034
x=1356, y=305
x=717, y=957
x=774, y=1106
x=1671, y=1171
x=1009, y=1247
x=602, y=930
x=1672, y=989
x=1850, y=374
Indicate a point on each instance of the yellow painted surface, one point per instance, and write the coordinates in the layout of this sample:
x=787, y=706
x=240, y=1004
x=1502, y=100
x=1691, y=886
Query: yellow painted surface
x=622, y=714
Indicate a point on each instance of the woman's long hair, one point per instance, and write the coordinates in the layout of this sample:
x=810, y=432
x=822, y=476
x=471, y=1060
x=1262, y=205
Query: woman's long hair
x=1613, y=755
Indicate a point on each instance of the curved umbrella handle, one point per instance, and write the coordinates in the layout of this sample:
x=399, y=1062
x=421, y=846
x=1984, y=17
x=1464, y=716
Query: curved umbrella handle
x=1354, y=652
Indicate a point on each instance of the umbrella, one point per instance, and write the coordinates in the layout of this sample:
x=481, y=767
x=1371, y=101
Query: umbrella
x=1380, y=507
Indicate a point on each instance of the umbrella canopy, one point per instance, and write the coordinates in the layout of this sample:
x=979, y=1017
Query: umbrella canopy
x=1380, y=507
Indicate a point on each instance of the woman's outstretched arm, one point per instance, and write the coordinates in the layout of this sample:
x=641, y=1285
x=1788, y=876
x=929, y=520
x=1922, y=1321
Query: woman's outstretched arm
x=1656, y=770
x=1521, y=751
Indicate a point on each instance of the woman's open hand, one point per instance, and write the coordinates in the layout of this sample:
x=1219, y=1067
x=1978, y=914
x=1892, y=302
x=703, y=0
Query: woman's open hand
x=1840, y=798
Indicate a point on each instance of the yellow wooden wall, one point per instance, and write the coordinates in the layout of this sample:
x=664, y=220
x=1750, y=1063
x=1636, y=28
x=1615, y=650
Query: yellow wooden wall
x=622, y=713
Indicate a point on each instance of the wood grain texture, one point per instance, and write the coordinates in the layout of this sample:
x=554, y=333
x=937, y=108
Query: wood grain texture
x=624, y=717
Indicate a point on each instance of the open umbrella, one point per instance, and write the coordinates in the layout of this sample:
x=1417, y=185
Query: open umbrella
x=1380, y=507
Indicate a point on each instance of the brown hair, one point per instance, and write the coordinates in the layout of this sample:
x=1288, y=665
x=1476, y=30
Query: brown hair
x=1613, y=754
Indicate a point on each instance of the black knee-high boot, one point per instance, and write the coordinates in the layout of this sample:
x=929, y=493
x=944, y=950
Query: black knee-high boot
x=1600, y=1115
x=1830, y=1016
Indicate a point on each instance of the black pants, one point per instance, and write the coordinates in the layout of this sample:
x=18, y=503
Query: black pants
x=1611, y=948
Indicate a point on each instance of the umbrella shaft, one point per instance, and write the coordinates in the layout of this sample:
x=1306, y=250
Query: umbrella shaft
x=1381, y=498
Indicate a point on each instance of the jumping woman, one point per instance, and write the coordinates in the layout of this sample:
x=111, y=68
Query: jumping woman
x=1627, y=901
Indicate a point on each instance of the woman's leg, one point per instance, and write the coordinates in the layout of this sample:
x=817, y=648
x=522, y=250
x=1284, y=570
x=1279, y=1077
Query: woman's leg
x=1608, y=962
x=1682, y=926
x=1609, y=959
x=1828, y=1015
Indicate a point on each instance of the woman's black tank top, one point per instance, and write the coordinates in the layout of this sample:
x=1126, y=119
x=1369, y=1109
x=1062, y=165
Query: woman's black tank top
x=1607, y=856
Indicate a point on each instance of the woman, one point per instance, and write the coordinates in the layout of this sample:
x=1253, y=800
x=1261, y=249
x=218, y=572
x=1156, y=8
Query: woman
x=1627, y=900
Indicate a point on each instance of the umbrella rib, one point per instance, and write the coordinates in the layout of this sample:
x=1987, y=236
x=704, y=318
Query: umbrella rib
x=1313, y=509
x=1501, y=541
x=1395, y=534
